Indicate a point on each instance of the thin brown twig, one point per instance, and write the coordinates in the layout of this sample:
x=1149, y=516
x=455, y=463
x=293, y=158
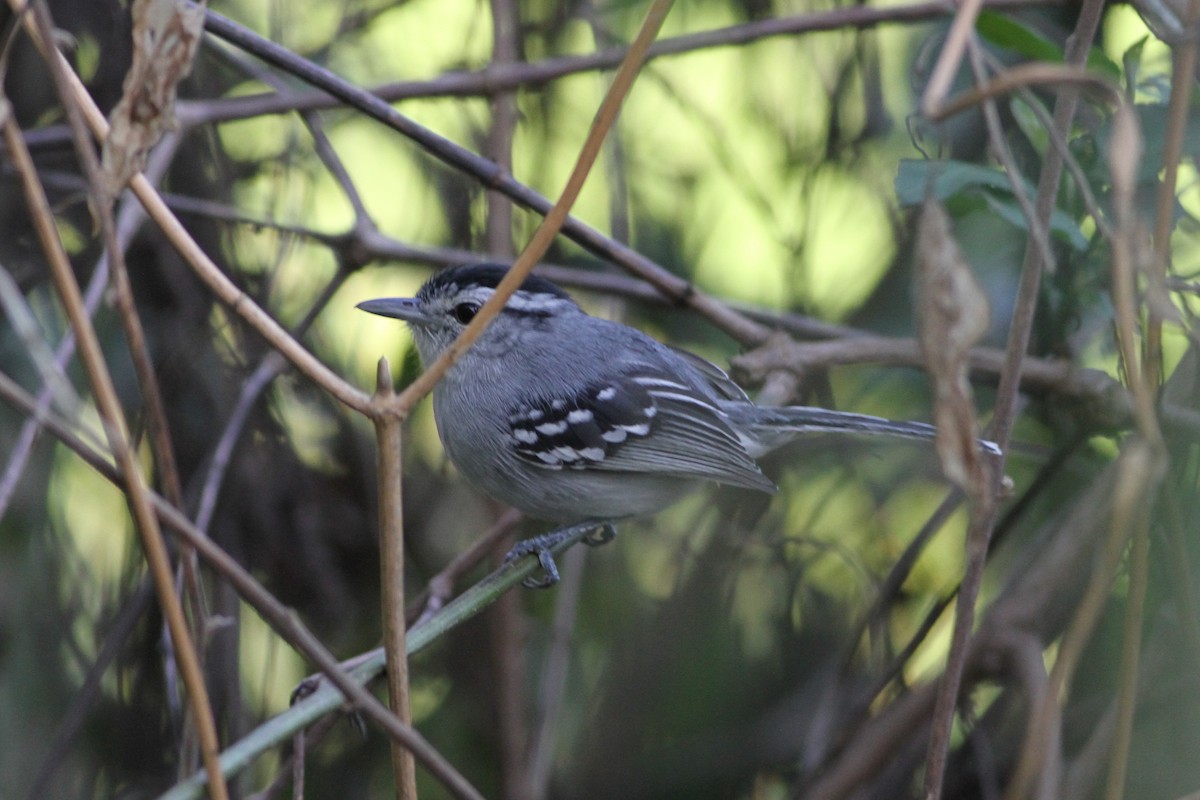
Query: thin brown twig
x=217, y=282
x=128, y=221
x=391, y=545
x=281, y=619
x=506, y=621
x=1059, y=142
x=984, y=496
x=1018, y=342
x=1131, y=647
x=92, y=355
x=1139, y=470
x=1123, y=157
x=498, y=228
x=555, y=217
x=950, y=57
x=1183, y=72
x=147, y=380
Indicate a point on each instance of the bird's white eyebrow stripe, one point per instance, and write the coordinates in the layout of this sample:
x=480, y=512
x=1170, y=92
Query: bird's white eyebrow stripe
x=520, y=301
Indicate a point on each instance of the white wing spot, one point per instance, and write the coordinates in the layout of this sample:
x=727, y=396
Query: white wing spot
x=566, y=454
x=608, y=393
x=552, y=428
x=579, y=415
x=616, y=436
x=525, y=436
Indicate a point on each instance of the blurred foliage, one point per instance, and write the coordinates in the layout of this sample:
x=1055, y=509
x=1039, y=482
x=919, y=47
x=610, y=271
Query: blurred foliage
x=722, y=649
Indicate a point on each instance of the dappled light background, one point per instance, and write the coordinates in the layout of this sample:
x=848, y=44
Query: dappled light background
x=733, y=646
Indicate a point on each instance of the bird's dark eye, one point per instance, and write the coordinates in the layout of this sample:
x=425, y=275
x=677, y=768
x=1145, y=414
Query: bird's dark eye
x=465, y=312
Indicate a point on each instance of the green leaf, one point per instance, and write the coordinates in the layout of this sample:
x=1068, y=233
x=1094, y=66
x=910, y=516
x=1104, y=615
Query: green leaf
x=951, y=178
x=1061, y=225
x=1030, y=124
x=1132, y=60
x=1006, y=32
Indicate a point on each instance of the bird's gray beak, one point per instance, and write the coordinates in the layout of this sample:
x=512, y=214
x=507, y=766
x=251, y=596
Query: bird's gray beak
x=405, y=308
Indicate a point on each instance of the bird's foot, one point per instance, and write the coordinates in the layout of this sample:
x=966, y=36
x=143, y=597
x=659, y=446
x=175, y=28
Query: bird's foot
x=597, y=533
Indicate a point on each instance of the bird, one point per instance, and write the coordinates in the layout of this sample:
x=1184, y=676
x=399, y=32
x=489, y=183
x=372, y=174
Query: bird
x=583, y=421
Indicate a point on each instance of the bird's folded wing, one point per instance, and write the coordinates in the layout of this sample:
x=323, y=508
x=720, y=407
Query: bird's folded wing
x=644, y=421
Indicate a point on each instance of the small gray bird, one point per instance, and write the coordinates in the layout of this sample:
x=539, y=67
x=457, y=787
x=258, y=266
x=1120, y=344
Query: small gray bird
x=580, y=420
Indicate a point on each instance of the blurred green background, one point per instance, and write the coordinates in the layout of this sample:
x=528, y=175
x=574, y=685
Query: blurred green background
x=721, y=649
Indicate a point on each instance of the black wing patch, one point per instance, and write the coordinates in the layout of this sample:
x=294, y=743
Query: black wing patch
x=582, y=430
x=607, y=426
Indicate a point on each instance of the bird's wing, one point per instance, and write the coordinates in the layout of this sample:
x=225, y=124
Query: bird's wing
x=716, y=377
x=646, y=420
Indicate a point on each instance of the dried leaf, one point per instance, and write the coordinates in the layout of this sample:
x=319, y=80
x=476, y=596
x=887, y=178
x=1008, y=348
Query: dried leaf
x=1125, y=148
x=166, y=35
x=953, y=315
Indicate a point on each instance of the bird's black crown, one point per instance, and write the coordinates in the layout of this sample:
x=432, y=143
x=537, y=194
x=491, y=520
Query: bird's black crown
x=486, y=275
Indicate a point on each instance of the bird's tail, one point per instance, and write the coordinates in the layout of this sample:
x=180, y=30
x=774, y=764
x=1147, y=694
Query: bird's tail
x=769, y=428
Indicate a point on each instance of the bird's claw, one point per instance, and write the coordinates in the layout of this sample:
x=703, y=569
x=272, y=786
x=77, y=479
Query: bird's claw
x=598, y=534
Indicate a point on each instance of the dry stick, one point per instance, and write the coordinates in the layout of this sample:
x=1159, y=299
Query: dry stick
x=127, y=224
x=1140, y=470
x=553, y=221
x=134, y=332
x=210, y=273
x=391, y=545
x=128, y=221
x=506, y=640
x=397, y=408
x=282, y=619
x=498, y=228
x=1124, y=156
x=1183, y=72
x=1018, y=342
x=950, y=58
x=985, y=504
x=1059, y=142
x=680, y=290
x=135, y=336
x=109, y=406
x=1038, y=229
x=1131, y=647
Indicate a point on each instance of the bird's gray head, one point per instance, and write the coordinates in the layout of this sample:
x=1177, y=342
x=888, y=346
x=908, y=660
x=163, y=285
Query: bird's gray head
x=450, y=299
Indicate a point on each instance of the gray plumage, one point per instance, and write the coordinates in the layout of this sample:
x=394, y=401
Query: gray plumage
x=570, y=417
